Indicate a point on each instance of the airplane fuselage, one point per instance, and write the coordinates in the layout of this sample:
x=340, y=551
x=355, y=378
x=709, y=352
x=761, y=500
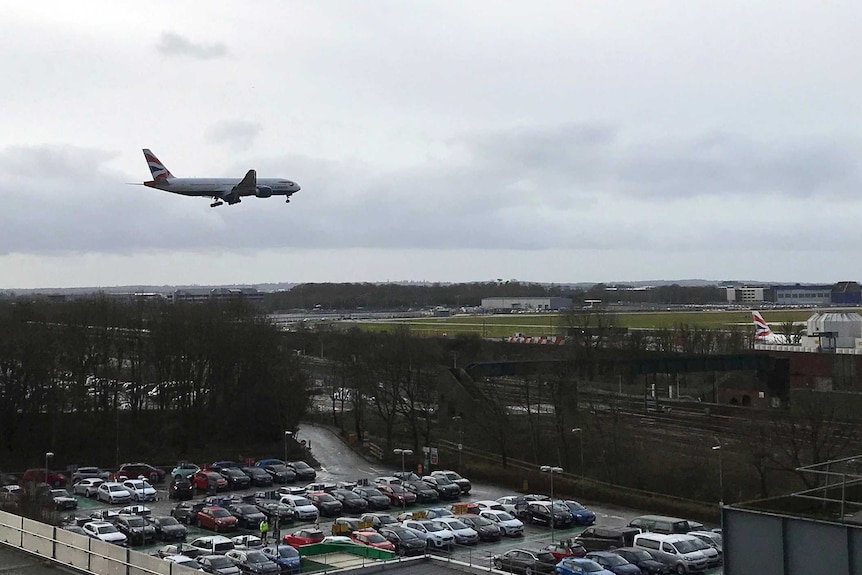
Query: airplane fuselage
x=217, y=187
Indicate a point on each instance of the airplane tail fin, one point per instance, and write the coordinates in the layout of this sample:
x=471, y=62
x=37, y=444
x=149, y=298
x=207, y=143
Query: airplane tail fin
x=761, y=328
x=157, y=169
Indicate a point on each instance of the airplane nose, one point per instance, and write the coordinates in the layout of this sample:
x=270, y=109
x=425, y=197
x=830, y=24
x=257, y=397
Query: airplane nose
x=296, y=187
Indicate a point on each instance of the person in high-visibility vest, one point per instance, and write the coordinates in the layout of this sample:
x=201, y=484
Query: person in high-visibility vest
x=264, y=529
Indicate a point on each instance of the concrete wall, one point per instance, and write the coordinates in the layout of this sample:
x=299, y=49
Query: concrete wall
x=772, y=544
x=83, y=553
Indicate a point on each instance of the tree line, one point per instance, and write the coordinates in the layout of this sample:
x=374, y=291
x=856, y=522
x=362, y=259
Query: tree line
x=392, y=296
x=95, y=380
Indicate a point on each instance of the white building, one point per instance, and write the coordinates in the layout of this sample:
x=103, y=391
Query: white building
x=526, y=303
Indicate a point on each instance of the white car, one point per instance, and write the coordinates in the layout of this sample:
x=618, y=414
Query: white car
x=136, y=510
x=509, y=525
x=303, y=509
x=106, y=532
x=490, y=504
x=140, y=489
x=435, y=536
x=87, y=487
x=247, y=542
x=89, y=473
x=113, y=493
x=464, y=535
x=184, y=560
x=387, y=480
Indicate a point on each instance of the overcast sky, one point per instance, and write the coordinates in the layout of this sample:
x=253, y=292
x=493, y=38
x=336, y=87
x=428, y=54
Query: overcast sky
x=562, y=141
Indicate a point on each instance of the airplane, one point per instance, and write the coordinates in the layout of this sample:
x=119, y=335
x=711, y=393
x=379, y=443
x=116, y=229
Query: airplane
x=221, y=190
x=762, y=332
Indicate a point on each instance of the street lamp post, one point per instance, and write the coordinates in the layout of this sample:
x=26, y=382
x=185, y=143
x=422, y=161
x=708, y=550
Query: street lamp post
x=402, y=453
x=460, y=438
x=720, y=475
x=580, y=433
x=551, y=471
x=286, y=435
x=48, y=455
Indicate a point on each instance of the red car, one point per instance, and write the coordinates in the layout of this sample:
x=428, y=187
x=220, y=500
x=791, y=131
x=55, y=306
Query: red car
x=216, y=518
x=201, y=480
x=398, y=496
x=37, y=475
x=373, y=539
x=303, y=537
x=562, y=549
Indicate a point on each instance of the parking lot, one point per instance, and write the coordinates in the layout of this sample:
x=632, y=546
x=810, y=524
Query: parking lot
x=340, y=463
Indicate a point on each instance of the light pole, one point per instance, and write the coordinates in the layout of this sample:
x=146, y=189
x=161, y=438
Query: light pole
x=48, y=455
x=580, y=433
x=551, y=471
x=402, y=453
x=286, y=435
x=460, y=438
x=720, y=475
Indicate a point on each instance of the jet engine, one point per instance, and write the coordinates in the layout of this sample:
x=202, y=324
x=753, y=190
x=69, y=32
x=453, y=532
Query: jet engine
x=263, y=191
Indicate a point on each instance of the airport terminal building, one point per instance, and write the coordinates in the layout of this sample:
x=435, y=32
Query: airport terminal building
x=509, y=304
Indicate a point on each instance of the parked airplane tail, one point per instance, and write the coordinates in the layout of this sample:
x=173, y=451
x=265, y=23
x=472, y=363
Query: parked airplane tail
x=761, y=328
x=157, y=169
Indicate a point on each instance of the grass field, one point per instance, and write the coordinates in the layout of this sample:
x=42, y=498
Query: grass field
x=535, y=324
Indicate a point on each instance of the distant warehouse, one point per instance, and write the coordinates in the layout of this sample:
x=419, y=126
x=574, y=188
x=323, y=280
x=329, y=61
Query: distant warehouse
x=526, y=303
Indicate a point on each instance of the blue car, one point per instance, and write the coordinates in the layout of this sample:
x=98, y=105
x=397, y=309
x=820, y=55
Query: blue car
x=285, y=556
x=580, y=514
x=614, y=563
x=578, y=566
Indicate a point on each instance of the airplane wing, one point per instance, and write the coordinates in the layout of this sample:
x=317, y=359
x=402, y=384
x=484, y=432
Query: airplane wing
x=246, y=187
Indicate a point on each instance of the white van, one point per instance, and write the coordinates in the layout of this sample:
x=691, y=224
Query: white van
x=682, y=553
x=213, y=544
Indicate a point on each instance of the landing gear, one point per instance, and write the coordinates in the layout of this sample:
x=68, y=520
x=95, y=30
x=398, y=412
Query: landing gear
x=287, y=201
x=216, y=204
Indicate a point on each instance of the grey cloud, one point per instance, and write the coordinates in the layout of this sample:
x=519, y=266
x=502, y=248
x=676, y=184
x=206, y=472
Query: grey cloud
x=234, y=133
x=52, y=161
x=518, y=189
x=173, y=44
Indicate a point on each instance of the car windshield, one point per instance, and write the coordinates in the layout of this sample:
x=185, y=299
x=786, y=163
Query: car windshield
x=431, y=526
x=373, y=493
x=278, y=468
x=219, y=512
x=300, y=465
x=299, y=501
x=256, y=557
x=397, y=489
x=700, y=544
x=349, y=495
x=480, y=521
x=233, y=471
x=326, y=498
x=375, y=538
x=404, y=534
x=546, y=557
x=135, y=521
x=443, y=480
x=116, y=488
x=503, y=516
x=686, y=546
x=640, y=555
x=220, y=562
x=166, y=521
x=60, y=493
x=107, y=529
x=575, y=506
x=453, y=476
x=287, y=551
x=614, y=560
x=456, y=524
x=585, y=566
x=560, y=508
